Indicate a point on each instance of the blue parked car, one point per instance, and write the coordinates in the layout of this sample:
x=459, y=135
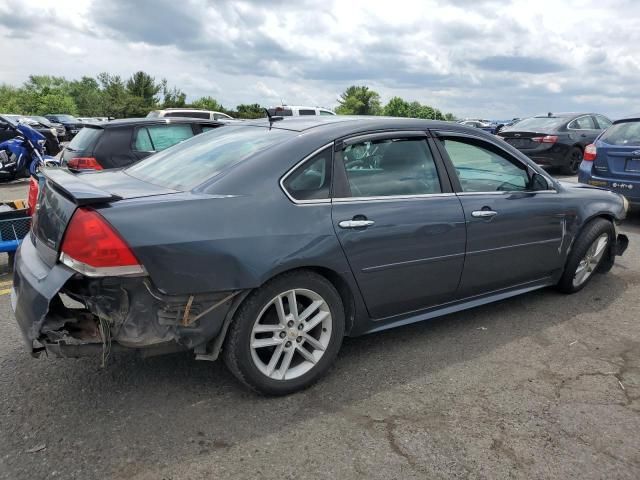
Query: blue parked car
x=613, y=160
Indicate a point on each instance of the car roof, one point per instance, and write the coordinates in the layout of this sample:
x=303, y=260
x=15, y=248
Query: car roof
x=348, y=124
x=121, y=122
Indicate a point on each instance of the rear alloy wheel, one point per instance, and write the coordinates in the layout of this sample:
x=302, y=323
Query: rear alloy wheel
x=588, y=255
x=286, y=334
x=575, y=159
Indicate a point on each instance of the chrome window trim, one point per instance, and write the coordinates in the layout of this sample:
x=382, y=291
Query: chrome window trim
x=580, y=129
x=506, y=192
x=289, y=172
x=391, y=197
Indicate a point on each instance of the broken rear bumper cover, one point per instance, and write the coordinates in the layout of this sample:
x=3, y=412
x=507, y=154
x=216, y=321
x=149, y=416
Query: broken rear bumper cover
x=67, y=314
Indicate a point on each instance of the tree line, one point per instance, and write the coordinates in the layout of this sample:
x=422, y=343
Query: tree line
x=109, y=95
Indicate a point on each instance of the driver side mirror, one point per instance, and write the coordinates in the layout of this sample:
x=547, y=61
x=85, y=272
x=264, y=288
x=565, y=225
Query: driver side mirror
x=539, y=182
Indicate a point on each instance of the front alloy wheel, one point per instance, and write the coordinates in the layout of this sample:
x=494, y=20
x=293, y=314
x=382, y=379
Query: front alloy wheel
x=286, y=334
x=591, y=259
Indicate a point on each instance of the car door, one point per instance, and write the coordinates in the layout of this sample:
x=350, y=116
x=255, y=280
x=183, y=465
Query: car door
x=583, y=130
x=399, y=224
x=515, y=220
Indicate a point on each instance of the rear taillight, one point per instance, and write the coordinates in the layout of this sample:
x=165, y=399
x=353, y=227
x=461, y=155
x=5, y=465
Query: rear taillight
x=32, y=198
x=92, y=247
x=84, y=163
x=545, y=139
x=590, y=153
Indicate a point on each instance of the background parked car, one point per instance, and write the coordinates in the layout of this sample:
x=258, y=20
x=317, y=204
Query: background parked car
x=52, y=147
x=485, y=125
x=60, y=130
x=118, y=143
x=613, y=160
x=71, y=124
x=297, y=110
x=556, y=140
x=188, y=113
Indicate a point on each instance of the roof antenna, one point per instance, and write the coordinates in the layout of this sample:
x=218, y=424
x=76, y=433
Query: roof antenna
x=272, y=118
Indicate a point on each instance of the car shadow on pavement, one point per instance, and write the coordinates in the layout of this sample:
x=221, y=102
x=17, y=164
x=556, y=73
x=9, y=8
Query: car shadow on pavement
x=176, y=400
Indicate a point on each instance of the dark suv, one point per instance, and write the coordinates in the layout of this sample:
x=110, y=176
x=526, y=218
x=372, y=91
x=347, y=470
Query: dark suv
x=71, y=124
x=119, y=143
x=556, y=139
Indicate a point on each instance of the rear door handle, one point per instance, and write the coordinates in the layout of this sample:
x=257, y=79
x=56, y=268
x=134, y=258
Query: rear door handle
x=355, y=223
x=483, y=213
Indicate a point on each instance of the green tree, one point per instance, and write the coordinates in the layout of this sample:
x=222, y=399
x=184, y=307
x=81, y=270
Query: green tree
x=87, y=96
x=144, y=86
x=208, y=103
x=359, y=100
x=115, y=98
x=11, y=99
x=172, y=97
x=396, y=107
x=450, y=117
x=42, y=94
x=253, y=110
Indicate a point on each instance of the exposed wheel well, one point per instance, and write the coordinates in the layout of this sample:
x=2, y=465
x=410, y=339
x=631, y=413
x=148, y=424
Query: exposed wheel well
x=343, y=289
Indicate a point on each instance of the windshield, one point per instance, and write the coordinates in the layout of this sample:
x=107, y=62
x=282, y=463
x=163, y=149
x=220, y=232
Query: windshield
x=538, y=123
x=190, y=163
x=66, y=118
x=41, y=120
x=625, y=133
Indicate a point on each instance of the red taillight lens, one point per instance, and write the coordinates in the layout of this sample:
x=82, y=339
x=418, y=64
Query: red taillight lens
x=84, y=163
x=545, y=139
x=91, y=246
x=590, y=153
x=32, y=198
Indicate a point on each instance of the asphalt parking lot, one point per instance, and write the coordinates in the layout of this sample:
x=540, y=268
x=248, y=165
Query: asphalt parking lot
x=539, y=386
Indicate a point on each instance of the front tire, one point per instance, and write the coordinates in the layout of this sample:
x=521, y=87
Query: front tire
x=286, y=334
x=588, y=255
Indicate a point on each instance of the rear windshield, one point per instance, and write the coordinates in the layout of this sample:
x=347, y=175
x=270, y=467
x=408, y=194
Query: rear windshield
x=153, y=114
x=626, y=133
x=190, y=163
x=86, y=139
x=538, y=123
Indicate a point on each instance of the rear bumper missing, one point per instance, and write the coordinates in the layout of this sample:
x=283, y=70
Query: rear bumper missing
x=69, y=315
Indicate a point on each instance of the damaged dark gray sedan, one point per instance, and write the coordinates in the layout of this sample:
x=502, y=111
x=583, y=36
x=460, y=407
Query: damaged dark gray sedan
x=270, y=241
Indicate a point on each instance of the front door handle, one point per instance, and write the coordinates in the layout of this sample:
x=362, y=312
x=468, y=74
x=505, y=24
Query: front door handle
x=355, y=223
x=484, y=213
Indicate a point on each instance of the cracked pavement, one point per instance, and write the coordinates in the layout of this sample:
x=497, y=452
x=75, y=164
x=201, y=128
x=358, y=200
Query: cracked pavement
x=539, y=386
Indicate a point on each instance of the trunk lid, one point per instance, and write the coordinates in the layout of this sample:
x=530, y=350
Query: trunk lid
x=521, y=138
x=617, y=161
x=61, y=192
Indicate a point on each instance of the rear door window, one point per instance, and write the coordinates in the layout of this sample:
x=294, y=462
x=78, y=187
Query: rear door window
x=582, y=123
x=390, y=167
x=86, y=139
x=306, y=112
x=155, y=138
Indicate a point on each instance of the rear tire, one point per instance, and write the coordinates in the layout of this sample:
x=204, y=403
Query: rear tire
x=589, y=255
x=275, y=350
x=574, y=161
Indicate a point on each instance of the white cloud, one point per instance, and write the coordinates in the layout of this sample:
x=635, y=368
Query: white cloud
x=484, y=58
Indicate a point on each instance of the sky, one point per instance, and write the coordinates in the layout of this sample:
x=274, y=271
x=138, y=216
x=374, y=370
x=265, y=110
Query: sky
x=474, y=58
